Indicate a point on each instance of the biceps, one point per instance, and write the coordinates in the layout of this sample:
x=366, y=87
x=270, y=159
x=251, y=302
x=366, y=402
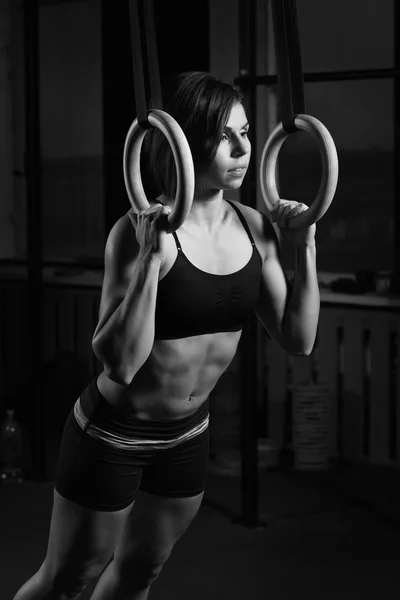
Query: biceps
x=111, y=298
x=273, y=297
x=108, y=304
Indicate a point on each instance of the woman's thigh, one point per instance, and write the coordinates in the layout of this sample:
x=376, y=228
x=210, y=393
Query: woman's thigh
x=92, y=474
x=81, y=540
x=179, y=472
x=171, y=493
x=94, y=492
x=153, y=527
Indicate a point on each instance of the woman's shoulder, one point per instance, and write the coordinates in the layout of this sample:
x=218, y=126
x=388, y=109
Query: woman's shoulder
x=121, y=242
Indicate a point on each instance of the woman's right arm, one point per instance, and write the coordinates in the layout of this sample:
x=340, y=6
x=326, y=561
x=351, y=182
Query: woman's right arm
x=124, y=336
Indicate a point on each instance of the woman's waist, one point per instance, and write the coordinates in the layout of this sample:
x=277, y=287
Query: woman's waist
x=128, y=407
x=151, y=397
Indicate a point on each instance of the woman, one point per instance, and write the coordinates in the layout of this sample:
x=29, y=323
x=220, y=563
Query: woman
x=172, y=310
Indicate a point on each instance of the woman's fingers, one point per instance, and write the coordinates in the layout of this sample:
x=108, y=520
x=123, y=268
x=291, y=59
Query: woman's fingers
x=155, y=212
x=159, y=217
x=134, y=218
x=297, y=210
x=151, y=229
x=281, y=212
x=287, y=210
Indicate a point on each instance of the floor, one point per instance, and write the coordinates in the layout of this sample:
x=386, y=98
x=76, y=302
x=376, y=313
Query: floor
x=326, y=536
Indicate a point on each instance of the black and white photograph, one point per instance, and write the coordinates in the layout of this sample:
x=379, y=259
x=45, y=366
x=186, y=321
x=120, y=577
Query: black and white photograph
x=199, y=299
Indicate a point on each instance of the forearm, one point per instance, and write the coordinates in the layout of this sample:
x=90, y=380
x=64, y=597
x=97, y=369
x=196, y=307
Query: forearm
x=302, y=311
x=125, y=340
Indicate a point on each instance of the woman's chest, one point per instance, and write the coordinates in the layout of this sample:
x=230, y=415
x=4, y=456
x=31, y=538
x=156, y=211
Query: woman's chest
x=220, y=254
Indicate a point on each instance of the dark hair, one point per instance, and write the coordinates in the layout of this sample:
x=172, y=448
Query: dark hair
x=201, y=104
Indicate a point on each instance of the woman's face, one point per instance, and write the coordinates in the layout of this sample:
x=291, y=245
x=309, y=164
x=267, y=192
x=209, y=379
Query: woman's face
x=232, y=158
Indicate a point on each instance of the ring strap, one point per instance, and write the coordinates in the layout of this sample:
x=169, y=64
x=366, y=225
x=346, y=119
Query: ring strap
x=146, y=74
x=288, y=62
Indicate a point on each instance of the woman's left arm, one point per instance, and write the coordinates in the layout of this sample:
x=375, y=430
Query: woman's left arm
x=290, y=310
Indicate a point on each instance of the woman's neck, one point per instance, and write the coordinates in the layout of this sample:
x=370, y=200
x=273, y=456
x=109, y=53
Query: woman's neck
x=208, y=211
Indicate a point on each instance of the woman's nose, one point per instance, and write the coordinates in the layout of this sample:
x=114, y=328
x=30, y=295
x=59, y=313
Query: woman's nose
x=242, y=147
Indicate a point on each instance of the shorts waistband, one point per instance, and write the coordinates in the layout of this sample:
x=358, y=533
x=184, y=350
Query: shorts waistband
x=101, y=420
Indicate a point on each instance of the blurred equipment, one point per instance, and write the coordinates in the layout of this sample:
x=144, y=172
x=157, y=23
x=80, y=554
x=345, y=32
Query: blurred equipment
x=310, y=426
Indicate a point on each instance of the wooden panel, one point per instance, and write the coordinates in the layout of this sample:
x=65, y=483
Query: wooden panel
x=66, y=320
x=11, y=335
x=97, y=366
x=353, y=376
x=49, y=325
x=327, y=368
x=393, y=397
x=379, y=442
x=301, y=369
x=15, y=351
x=262, y=390
x=2, y=353
x=277, y=392
x=24, y=350
x=70, y=319
x=14, y=337
x=397, y=392
x=84, y=328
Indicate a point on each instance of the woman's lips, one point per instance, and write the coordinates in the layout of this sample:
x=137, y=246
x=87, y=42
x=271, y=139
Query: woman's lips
x=237, y=172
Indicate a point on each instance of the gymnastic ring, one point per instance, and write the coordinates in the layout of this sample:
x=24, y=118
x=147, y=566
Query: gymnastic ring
x=183, y=163
x=330, y=170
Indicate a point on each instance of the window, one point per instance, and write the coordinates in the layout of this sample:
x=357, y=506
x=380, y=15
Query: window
x=71, y=130
x=358, y=227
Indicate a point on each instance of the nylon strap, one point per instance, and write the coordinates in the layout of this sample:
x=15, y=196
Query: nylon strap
x=288, y=62
x=146, y=76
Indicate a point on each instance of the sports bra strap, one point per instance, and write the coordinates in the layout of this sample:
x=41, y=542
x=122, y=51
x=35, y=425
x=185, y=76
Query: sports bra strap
x=243, y=221
x=177, y=242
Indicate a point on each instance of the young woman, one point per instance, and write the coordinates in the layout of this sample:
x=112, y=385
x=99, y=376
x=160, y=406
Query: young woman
x=172, y=310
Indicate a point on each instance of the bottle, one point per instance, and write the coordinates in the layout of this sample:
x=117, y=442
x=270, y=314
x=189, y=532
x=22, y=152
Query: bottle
x=10, y=449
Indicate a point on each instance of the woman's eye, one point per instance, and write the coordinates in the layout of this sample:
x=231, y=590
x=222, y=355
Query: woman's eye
x=244, y=133
x=224, y=136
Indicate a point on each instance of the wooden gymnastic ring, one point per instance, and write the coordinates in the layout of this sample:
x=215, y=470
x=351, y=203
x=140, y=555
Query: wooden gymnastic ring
x=183, y=163
x=330, y=170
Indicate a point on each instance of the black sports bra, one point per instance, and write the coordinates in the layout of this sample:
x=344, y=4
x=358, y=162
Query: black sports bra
x=193, y=302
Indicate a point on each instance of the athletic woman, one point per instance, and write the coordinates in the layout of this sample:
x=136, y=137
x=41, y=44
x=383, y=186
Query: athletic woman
x=172, y=310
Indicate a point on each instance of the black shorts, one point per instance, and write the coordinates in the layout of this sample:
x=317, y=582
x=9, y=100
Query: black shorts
x=105, y=456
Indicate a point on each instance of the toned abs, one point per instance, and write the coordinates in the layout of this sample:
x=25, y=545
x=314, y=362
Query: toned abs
x=176, y=379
